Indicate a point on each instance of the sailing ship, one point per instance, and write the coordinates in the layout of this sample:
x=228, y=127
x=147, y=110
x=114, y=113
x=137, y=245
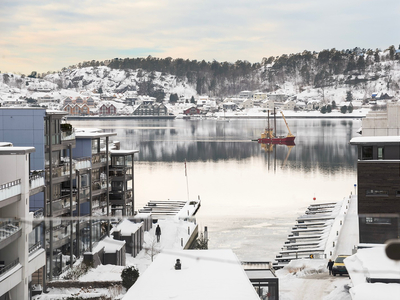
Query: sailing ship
x=269, y=137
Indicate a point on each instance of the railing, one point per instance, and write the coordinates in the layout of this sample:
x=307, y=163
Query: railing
x=99, y=185
x=64, y=168
x=84, y=192
x=35, y=247
x=62, y=203
x=9, y=266
x=36, y=181
x=10, y=189
x=8, y=228
x=38, y=214
x=68, y=135
x=98, y=158
x=83, y=163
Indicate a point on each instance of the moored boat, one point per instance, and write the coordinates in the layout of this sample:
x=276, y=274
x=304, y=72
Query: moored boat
x=268, y=137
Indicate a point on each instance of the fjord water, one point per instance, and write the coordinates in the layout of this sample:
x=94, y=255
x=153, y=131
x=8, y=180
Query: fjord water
x=250, y=195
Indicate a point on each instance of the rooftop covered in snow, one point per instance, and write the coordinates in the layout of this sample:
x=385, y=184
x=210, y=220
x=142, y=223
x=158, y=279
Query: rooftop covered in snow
x=204, y=274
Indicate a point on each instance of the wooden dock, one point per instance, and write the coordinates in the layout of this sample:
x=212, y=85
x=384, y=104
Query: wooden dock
x=306, y=238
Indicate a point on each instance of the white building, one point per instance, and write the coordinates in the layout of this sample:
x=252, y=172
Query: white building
x=203, y=274
x=21, y=252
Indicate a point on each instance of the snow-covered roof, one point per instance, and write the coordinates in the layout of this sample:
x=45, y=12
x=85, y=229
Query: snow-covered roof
x=372, y=263
x=374, y=139
x=110, y=245
x=127, y=227
x=205, y=274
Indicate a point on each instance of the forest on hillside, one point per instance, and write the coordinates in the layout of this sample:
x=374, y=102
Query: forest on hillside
x=315, y=69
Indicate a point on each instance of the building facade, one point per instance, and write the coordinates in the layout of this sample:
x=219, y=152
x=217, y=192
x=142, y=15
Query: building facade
x=77, y=181
x=22, y=253
x=378, y=188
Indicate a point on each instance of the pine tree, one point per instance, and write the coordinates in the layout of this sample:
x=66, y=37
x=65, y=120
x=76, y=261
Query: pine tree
x=349, y=96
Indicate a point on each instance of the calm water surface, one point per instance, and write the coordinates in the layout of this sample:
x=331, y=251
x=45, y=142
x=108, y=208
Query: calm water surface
x=251, y=196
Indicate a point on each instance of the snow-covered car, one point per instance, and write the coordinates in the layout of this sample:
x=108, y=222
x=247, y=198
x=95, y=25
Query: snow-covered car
x=338, y=266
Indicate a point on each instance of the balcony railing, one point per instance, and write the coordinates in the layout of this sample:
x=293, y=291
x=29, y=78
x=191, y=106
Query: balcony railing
x=64, y=168
x=35, y=247
x=8, y=228
x=98, y=158
x=38, y=214
x=10, y=189
x=62, y=203
x=36, y=181
x=68, y=135
x=9, y=266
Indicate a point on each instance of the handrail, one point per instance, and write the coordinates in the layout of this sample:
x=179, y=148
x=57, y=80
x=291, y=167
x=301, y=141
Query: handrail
x=9, y=266
x=10, y=189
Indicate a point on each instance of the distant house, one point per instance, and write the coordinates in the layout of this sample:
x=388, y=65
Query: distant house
x=107, y=109
x=90, y=102
x=191, y=111
x=76, y=109
x=258, y=97
x=289, y=105
x=268, y=104
x=229, y=106
x=202, y=101
x=79, y=100
x=245, y=94
x=248, y=103
x=67, y=100
x=151, y=109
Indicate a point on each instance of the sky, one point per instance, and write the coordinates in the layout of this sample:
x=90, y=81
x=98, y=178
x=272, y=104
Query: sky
x=46, y=35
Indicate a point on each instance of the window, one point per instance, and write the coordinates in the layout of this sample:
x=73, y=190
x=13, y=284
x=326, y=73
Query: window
x=380, y=152
x=366, y=152
x=376, y=193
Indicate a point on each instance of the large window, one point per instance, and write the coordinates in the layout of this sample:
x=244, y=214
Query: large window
x=367, y=152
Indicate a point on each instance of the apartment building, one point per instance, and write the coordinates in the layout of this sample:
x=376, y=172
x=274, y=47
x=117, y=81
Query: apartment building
x=76, y=165
x=22, y=254
x=378, y=176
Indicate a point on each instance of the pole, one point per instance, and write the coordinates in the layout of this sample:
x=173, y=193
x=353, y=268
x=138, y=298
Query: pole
x=187, y=182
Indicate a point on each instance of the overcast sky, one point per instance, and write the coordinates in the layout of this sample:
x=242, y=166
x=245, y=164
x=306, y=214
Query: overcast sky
x=45, y=35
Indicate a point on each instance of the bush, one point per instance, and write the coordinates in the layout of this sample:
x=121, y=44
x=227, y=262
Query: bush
x=129, y=276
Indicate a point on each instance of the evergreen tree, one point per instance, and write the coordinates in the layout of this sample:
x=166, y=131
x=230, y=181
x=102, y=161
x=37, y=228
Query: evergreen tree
x=343, y=109
x=349, y=96
x=323, y=110
x=192, y=100
x=334, y=104
x=328, y=108
x=350, y=108
x=129, y=276
x=173, y=98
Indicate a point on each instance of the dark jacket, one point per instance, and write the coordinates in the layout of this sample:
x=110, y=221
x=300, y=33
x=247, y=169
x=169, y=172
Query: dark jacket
x=330, y=265
x=158, y=230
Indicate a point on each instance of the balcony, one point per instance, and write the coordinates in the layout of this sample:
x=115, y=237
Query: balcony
x=99, y=158
x=9, y=232
x=36, y=182
x=62, y=205
x=10, y=190
x=63, y=169
x=68, y=135
x=8, y=267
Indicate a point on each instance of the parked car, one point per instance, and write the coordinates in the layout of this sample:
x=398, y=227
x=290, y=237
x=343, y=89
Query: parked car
x=338, y=266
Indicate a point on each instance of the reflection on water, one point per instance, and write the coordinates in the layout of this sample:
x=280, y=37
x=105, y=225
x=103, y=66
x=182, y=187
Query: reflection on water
x=322, y=144
x=243, y=186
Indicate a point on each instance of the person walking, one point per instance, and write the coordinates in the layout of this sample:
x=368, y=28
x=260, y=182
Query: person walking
x=158, y=233
x=330, y=266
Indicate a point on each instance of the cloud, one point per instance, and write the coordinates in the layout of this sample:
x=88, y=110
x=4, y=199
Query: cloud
x=48, y=35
